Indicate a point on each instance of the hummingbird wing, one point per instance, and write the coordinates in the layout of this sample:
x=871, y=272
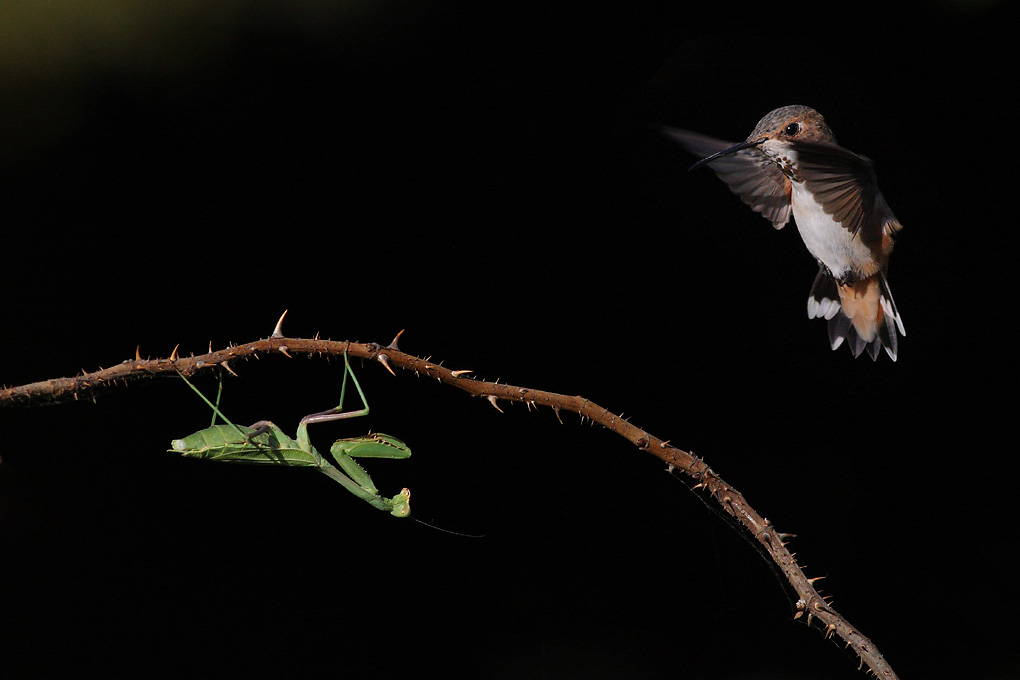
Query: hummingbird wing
x=844, y=184
x=748, y=174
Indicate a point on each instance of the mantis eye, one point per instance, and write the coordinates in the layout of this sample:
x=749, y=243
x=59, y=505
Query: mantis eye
x=792, y=129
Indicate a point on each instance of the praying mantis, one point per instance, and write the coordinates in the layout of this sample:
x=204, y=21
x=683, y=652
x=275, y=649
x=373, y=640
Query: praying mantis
x=265, y=443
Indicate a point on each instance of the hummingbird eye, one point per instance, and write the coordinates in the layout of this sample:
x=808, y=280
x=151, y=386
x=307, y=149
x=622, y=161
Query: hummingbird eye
x=792, y=129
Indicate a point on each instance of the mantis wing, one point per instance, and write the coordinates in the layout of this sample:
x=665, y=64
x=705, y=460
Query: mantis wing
x=266, y=444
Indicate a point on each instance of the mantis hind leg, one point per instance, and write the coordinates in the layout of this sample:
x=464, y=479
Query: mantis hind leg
x=215, y=407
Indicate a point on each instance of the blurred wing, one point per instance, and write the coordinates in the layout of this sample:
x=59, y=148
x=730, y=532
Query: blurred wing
x=748, y=174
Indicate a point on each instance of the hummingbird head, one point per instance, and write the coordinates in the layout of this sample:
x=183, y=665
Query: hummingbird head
x=777, y=129
x=790, y=123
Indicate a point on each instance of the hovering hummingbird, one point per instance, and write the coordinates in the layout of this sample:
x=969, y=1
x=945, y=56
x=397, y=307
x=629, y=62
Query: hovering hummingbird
x=791, y=163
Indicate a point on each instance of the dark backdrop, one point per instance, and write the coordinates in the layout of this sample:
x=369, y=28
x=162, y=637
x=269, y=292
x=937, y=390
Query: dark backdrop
x=486, y=179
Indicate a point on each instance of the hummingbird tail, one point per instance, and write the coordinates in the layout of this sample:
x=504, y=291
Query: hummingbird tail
x=863, y=313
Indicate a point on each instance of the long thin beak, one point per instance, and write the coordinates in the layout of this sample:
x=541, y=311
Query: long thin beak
x=724, y=152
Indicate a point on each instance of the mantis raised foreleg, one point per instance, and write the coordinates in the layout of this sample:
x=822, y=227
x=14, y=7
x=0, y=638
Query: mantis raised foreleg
x=265, y=443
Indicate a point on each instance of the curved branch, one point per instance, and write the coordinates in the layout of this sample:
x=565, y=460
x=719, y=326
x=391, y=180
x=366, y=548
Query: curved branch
x=810, y=604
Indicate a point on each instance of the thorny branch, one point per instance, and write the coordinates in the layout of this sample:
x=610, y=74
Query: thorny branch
x=810, y=605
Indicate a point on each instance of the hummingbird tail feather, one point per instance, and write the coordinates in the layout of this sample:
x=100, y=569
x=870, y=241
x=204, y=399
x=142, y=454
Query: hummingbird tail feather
x=863, y=313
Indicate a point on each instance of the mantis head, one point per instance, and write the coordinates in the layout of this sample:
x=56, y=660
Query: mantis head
x=402, y=503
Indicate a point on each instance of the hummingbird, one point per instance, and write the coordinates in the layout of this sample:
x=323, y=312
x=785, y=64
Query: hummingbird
x=791, y=164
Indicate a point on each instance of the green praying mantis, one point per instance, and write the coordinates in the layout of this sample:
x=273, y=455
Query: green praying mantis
x=264, y=443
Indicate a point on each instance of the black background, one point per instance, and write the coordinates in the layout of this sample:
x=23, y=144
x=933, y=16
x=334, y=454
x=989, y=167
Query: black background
x=485, y=177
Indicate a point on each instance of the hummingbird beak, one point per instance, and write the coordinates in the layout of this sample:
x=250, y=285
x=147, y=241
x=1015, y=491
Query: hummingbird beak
x=724, y=152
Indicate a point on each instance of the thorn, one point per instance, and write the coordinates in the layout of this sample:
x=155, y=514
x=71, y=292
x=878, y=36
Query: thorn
x=173, y=354
x=556, y=410
x=784, y=537
x=226, y=365
x=283, y=350
x=492, y=400
x=816, y=578
x=393, y=345
x=210, y=347
x=138, y=355
x=278, y=332
x=829, y=630
x=457, y=374
x=385, y=361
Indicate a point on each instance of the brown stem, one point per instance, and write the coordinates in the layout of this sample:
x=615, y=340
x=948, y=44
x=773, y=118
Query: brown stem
x=810, y=604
